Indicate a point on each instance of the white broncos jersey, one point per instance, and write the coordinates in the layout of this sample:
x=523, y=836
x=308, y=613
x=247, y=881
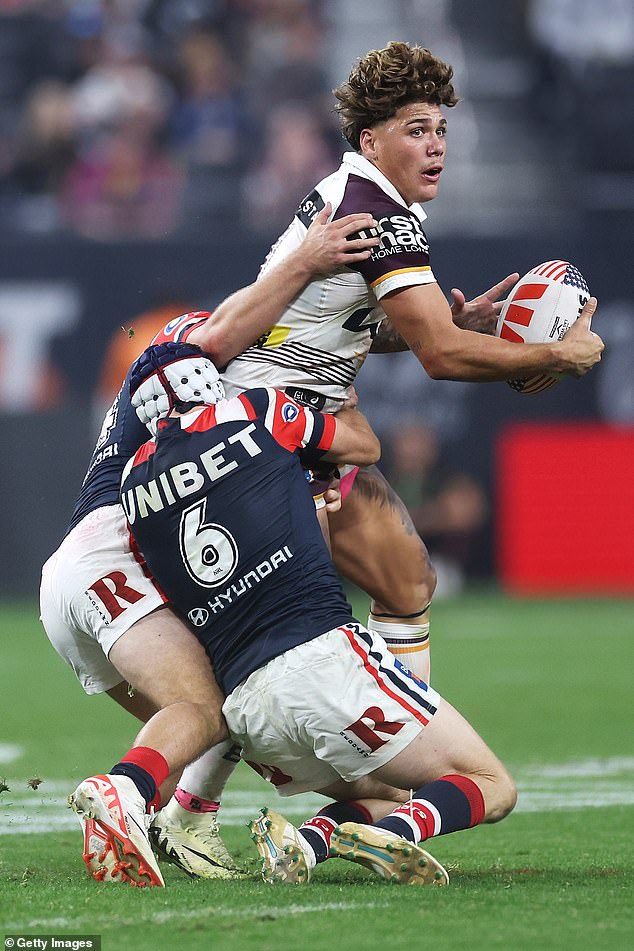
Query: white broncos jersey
x=316, y=350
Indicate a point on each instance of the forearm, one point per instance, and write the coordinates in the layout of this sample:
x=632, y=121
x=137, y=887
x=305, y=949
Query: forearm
x=241, y=319
x=472, y=357
x=423, y=318
x=248, y=313
x=387, y=339
x=355, y=442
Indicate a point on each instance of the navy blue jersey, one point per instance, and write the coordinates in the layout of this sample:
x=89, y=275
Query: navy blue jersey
x=219, y=506
x=121, y=434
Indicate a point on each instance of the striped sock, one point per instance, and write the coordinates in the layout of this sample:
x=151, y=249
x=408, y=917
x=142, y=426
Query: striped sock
x=318, y=830
x=446, y=805
x=408, y=642
x=147, y=769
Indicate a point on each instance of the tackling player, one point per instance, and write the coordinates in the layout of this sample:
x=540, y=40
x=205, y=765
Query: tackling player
x=218, y=504
x=392, y=111
x=113, y=807
x=109, y=622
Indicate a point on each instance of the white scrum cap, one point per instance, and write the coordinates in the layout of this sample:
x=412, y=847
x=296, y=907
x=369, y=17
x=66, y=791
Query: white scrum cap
x=170, y=373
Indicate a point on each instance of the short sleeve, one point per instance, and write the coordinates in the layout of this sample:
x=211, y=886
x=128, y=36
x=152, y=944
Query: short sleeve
x=402, y=257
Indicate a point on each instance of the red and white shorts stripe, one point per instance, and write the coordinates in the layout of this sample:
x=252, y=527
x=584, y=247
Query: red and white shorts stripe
x=336, y=707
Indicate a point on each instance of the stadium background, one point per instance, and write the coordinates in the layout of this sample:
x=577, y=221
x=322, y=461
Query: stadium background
x=152, y=150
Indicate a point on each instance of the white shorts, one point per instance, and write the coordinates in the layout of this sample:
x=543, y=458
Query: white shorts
x=337, y=707
x=93, y=590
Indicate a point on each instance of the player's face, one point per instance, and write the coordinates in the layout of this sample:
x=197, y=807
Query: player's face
x=409, y=149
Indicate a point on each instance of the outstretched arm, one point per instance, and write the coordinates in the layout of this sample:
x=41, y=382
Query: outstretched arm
x=423, y=318
x=480, y=315
x=248, y=313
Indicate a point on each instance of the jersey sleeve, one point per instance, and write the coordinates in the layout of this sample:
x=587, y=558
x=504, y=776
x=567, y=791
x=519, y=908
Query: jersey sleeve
x=296, y=428
x=402, y=257
x=142, y=454
x=179, y=329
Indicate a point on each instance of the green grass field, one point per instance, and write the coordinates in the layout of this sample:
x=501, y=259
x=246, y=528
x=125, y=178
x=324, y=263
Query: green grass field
x=547, y=683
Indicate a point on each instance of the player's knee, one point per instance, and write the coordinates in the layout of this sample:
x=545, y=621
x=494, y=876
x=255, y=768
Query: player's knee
x=420, y=574
x=211, y=723
x=412, y=587
x=428, y=580
x=500, y=797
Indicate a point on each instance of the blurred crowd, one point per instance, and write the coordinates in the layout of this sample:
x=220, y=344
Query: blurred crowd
x=148, y=118
x=145, y=118
x=124, y=120
x=585, y=79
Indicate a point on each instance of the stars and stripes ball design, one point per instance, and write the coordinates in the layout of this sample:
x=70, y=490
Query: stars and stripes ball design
x=542, y=307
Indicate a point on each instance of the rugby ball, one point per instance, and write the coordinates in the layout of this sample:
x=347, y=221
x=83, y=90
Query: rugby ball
x=542, y=306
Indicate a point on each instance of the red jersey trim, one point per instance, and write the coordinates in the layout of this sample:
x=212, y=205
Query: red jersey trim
x=180, y=328
x=328, y=435
x=144, y=452
x=138, y=557
x=290, y=434
x=251, y=413
x=204, y=421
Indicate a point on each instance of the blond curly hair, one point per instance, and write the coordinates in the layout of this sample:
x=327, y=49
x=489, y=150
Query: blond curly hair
x=384, y=80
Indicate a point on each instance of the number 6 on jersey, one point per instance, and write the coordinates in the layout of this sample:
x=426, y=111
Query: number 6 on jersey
x=209, y=551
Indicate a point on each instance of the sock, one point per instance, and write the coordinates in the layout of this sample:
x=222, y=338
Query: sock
x=318, y=830
x=147, y=769
x=205, y=779
x=446, y=805
x=408, y=642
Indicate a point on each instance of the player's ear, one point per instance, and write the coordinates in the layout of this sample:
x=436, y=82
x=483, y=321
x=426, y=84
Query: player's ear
x=367, y=143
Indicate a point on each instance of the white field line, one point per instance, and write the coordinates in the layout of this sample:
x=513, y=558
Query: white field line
x=204, y=911
x=584, y=768
x=542, y=788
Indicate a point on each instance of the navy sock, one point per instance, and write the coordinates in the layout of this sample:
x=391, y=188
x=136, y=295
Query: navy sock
x=446, y=805
x=318, y=830
x=141, y=779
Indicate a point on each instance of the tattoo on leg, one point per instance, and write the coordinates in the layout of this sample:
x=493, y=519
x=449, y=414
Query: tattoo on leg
x=372, y=485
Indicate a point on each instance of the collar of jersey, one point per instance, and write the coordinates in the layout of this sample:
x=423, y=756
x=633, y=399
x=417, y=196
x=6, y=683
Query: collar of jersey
x=365, y=168
x=190, y=417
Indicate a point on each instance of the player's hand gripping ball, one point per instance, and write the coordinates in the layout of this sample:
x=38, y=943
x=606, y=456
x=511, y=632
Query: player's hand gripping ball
x=541, y=308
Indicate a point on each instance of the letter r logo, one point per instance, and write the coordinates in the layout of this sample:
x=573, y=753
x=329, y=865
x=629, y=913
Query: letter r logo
x=113, y=588
x=273, y=774
x=370, y=724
